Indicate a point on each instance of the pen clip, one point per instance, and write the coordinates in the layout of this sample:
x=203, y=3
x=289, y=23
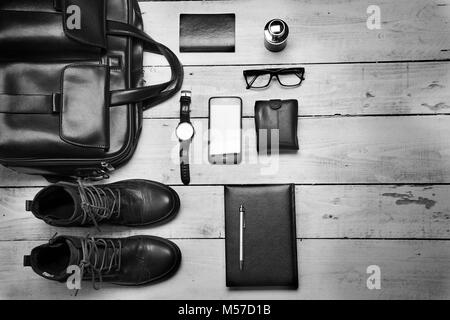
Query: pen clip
x=242, y=210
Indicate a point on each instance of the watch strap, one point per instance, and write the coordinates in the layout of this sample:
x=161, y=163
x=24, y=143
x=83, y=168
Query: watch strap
x=185, y=106
x=184, y=162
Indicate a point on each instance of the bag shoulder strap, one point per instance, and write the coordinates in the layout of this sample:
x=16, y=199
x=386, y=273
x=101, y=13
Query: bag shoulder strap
x=149, y=95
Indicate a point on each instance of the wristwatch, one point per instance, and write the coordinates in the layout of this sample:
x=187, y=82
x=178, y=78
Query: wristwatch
x=185, y=133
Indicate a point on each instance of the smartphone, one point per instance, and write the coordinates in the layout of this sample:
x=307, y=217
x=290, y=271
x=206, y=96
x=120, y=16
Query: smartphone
x=225, y=130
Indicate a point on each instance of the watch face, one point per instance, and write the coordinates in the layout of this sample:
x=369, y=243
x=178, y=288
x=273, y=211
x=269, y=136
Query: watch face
x=185, y=131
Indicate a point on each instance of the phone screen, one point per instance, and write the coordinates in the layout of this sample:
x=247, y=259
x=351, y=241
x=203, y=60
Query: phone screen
x=225, y=126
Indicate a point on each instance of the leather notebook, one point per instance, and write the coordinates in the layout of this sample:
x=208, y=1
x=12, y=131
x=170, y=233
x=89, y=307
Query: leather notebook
x=207, y=32
x=269, y=236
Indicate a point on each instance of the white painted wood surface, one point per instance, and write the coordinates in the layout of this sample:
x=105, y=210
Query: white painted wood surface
x=372, y=173
x=333, y=150
x=329, y=269
x=329, y=89
x=324, y=31
x=339, y=211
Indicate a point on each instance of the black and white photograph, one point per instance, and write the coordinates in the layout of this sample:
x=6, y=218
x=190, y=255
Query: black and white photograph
x=224, y=155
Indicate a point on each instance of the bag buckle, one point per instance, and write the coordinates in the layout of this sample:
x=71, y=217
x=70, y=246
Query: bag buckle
x=56, y=103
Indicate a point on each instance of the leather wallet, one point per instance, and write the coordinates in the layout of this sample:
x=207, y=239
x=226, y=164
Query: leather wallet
x=207, y=32
x=274, y=117
x=269, y=236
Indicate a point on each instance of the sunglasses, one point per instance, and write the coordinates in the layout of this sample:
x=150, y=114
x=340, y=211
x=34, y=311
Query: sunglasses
x=289, y=77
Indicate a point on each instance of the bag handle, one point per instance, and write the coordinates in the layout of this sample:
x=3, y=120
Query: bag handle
x=149, y=95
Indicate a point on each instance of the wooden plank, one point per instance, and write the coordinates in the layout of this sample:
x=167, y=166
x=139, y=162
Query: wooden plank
x=200, y=216
x=384, y=212
x=328, y=269
x=325, y=31
x=410, y=212
x=329, y=89
x=332, y=150
x=345, y=150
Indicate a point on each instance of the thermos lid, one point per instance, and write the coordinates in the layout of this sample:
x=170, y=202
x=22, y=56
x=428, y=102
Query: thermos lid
x=276, y=31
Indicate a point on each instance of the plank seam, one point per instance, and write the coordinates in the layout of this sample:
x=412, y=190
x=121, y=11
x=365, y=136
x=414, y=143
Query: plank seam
x=331, y=116
x=300, y=239
x=303, y=63
x=409, y=184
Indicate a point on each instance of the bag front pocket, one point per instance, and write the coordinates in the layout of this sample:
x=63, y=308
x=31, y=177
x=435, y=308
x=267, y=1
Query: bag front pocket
x=84, y=114
x=52, y=29
x=72, y=122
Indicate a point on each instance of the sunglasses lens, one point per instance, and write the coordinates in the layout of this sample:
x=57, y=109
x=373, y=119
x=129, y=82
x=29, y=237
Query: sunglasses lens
x=290, y=79
x=259, y=81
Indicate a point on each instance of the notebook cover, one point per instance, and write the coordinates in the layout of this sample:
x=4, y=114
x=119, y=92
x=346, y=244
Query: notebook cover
x=270, y=246
x=207, y=32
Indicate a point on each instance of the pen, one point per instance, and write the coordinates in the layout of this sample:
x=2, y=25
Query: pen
x=241, y=236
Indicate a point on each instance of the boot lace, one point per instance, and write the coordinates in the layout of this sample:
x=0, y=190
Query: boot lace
x=98, y=204
x=97, y=264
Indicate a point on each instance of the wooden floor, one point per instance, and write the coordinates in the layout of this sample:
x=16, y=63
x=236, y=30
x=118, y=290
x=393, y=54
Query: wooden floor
x=372, y=173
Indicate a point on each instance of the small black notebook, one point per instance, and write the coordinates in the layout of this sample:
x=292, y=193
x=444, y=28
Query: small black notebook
x=269, y=241
x=207, y=32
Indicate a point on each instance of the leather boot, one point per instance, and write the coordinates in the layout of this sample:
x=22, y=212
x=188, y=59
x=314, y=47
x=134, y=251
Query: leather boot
x=128, y=203
x=131, y=261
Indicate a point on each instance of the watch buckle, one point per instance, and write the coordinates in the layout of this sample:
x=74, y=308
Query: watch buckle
x=186, y=93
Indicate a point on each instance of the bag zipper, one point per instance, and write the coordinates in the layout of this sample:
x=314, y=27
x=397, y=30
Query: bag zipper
x=107, y=166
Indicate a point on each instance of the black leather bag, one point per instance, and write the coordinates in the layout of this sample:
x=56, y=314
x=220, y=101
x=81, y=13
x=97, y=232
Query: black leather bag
x=71, y=94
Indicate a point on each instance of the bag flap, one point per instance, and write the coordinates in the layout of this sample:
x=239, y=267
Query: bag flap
x=84, y=107
x=85, y=21
x=52, y=30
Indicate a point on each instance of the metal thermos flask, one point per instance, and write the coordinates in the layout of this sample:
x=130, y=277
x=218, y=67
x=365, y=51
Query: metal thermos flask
x=276, y=35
